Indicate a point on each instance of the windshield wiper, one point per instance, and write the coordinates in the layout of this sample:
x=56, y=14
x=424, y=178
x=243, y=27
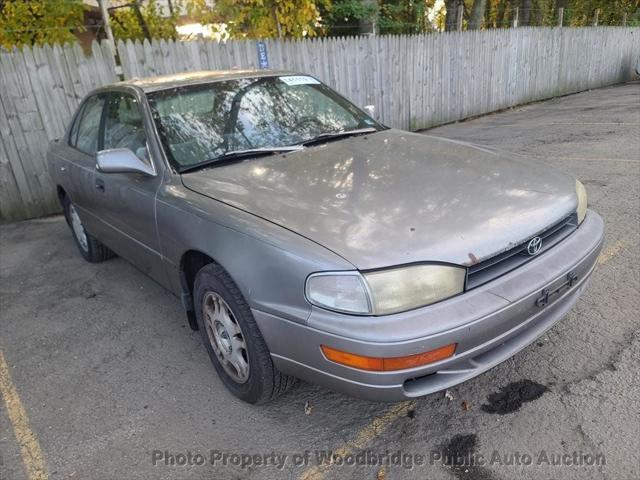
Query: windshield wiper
x=240, y=155
x=262, y=151
x=323, y=137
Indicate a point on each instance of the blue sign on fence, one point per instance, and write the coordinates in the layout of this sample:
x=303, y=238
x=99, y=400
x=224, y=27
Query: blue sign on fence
x=263, y=59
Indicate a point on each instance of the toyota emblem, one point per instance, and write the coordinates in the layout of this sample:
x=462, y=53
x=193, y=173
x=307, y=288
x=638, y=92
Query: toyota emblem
x=534, y=246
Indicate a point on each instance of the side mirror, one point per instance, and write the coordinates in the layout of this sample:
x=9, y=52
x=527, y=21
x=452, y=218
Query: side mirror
x=370, y=110
x=122, y=160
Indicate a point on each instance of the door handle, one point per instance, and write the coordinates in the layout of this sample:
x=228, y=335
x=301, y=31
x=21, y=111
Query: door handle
x=100, y=184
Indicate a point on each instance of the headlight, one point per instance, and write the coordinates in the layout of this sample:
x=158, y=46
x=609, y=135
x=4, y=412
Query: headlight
x=339, y=291
x=402, y=289
x=386, y=291
x=581, y=192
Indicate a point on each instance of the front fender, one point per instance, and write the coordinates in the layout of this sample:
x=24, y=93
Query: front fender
x=268, y=263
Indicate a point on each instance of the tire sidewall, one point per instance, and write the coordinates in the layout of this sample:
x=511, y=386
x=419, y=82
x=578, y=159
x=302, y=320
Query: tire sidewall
x=252, y=390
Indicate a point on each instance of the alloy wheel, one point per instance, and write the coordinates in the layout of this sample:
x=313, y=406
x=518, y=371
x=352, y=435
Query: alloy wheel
x=78, y=229
x=226, y=337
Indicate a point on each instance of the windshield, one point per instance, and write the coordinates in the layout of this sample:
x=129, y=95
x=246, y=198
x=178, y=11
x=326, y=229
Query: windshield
x=199, y=123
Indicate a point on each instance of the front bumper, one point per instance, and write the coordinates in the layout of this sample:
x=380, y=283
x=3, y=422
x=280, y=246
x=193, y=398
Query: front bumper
x=489, y=323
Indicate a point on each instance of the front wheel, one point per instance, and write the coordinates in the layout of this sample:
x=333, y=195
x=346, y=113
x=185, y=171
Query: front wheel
x=233, y=340
x=91, y=249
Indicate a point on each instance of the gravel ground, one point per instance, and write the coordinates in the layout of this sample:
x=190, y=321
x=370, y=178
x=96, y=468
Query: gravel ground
x=115, y=385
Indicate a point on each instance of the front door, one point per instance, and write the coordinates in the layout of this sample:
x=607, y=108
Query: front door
x=126, y=201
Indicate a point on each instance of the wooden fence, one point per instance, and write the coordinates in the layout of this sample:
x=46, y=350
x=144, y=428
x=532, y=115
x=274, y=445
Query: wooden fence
x=415, y=82
x=40, y=89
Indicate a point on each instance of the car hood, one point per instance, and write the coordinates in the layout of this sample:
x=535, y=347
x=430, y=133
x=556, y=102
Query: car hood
x=394, y=197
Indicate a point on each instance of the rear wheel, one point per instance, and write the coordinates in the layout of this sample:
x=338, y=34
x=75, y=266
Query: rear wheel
x=91, y=249
x=233, y=340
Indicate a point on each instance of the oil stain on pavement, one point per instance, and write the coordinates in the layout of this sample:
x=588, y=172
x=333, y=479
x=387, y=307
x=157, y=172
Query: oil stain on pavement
x=511, y=397
x=458, y=455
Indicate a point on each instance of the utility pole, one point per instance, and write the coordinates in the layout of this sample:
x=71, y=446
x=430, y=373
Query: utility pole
x=105, y=21
x=560, y=16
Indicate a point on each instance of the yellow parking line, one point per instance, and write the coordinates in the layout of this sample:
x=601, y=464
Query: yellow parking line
x=363, y=438
x=29, y=446
x=610, y=252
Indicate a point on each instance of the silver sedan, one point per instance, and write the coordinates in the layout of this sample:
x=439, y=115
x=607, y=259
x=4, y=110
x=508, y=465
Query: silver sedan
x=307, y=240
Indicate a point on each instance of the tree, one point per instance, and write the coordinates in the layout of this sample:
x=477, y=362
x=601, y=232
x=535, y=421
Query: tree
x=477, y=14
x=581, y=12
x=137, y=21
x=267, y=18
x=348, y=17
x=453, y=11
x=577, y=13
x=524, y=14
x=39, y=21
x=402, y=17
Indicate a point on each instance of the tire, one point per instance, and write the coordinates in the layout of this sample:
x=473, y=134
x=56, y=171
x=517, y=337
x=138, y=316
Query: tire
x=91, y=249
x=257, y=382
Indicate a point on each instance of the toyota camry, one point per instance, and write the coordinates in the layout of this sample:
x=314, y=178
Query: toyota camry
x=307, y=240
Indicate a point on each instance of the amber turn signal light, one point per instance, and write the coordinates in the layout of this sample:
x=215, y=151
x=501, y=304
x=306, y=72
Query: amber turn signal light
x=380, y=364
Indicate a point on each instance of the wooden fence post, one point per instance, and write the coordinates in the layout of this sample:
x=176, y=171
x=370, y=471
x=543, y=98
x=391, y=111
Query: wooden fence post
x=460, y=17
x=560, y=16
x=624, y=19
x=515, y=18
x=595, y=17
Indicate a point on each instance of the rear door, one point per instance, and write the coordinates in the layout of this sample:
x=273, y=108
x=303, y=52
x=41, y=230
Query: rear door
x=126, y=201
x=75, y=162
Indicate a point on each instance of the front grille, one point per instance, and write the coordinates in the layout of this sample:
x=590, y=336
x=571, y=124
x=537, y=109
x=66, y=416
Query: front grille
x=497, y=266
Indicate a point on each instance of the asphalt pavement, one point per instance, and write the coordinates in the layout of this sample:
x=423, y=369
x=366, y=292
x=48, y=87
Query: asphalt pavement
x=102, y=378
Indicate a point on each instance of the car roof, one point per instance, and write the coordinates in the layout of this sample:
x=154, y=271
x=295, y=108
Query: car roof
x=162, y=82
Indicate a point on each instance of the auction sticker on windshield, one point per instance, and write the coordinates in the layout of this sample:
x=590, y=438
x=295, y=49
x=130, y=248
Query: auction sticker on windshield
x=299, y=80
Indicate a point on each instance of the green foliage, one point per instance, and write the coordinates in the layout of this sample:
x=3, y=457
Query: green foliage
x=31, y=22
x=269, y=18
x=410, y=16
x=577, y=13
x=402, y=17
x=634, y=20
x=39, y=21
x=581, y=12
x=344, y=10
x=148, y=20
x=390, y=16
x=345, y=17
